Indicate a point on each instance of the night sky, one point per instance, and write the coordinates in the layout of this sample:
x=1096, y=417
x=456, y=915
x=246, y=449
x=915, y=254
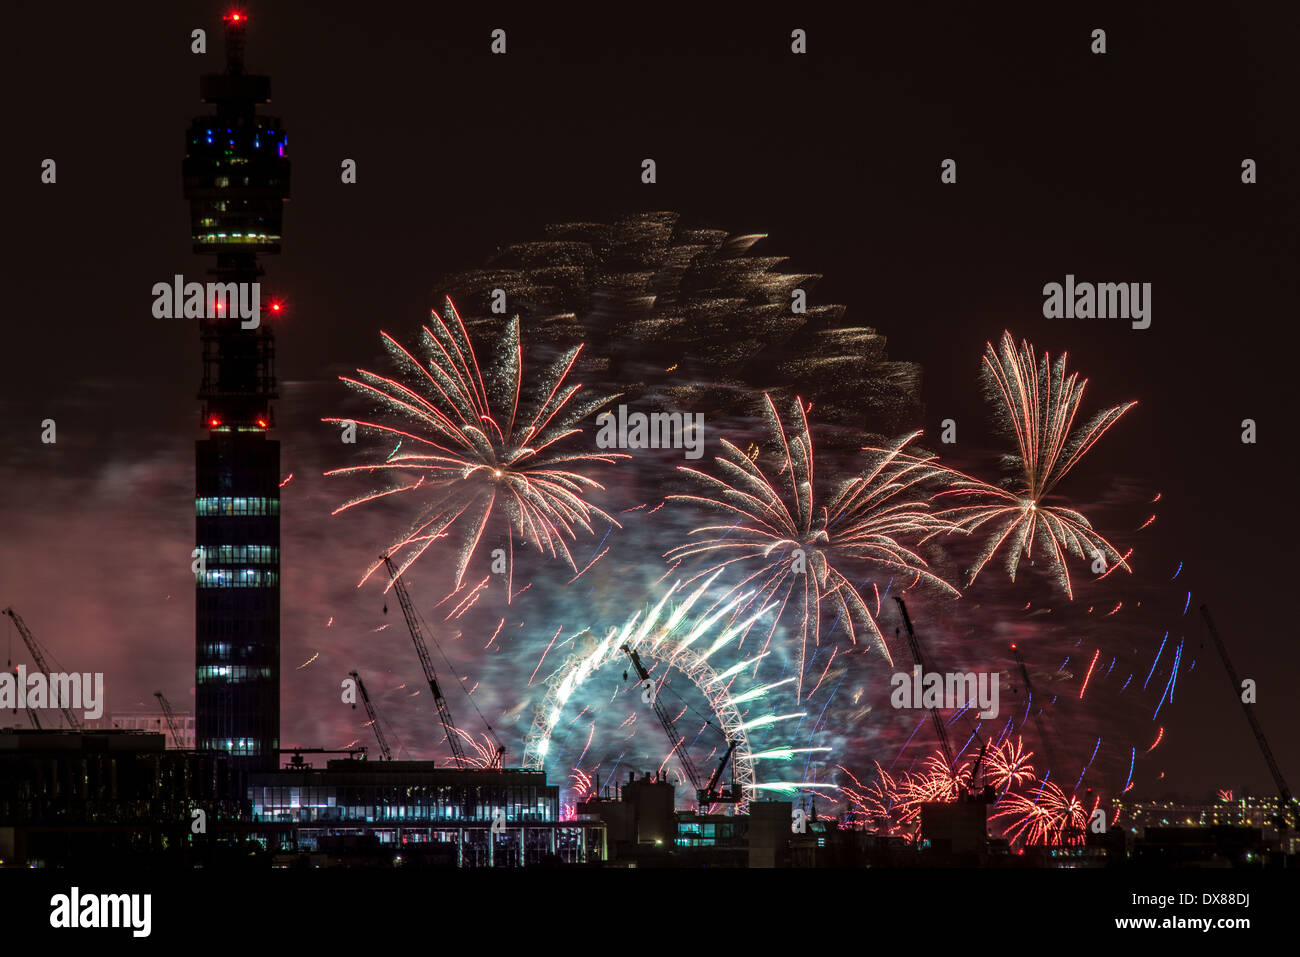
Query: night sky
x=1116, y=168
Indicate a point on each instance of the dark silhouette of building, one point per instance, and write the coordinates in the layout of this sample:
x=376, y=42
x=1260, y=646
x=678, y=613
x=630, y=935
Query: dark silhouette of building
x=1215, y=845
x=70, y=797
x=236, y=181
x=956, y=829
x=78, y=797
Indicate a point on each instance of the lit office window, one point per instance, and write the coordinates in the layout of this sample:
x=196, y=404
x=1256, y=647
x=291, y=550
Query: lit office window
x=240, y=554
x=237, y=578
x=237, y=506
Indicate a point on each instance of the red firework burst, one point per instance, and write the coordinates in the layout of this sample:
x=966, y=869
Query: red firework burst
x=1043, y=815
x=1007, y=765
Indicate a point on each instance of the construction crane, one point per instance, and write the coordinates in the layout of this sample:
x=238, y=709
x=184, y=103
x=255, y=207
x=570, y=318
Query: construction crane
x=704, y=795
x=972, y=792
x=1284, y=793
x=177, y=739
x=974, y=771
x=712, y=794
x=915, y=647
x=31, y=714
x=30, y=640
x=431, y=676
x=1038, y=717
x=373, y=715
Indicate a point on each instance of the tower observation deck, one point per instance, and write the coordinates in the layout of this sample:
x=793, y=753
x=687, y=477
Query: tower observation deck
x=236, y=180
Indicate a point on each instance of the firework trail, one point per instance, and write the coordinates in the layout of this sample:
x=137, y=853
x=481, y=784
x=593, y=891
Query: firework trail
x=473, y=449
x=877, y=806
x=658, y=301
x=483, y=751
x=1007, y=765
x=581, y=784
x=1045, y=815
x=800, y=545
x=1040, y=403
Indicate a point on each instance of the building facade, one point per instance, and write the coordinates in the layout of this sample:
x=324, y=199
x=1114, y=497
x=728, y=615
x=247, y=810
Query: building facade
x=146, y=720
x=236, y=181
x=412, y=811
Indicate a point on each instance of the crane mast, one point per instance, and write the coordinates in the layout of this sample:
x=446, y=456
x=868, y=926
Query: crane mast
x=704, y=795
x=373, y=716
x=30, y=641
x=31, y=715
x=974, y=771
x=171, y=719
x=670, y=729
x=915, y=647
x=1283, y=791
x=430, y=675
x=711, y=792
x=1038, y=718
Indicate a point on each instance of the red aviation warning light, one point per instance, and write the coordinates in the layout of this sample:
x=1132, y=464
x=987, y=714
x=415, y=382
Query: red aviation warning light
x=235, y=17
x=214, y=422
x=277, y=306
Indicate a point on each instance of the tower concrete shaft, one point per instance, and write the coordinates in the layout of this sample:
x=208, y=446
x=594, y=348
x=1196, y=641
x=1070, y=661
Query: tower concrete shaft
x=237, y=180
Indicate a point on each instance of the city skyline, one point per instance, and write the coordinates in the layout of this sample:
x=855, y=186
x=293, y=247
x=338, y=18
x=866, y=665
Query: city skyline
x=1182, y=441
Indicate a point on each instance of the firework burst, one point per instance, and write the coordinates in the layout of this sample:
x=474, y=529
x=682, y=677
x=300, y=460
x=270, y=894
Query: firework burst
x=799, y=545
x=892, y=804
x=1039, y=403
x=476, y=449
x=674, y=636
x=935, y=783
x=1043, y=815
x=1007, y=766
